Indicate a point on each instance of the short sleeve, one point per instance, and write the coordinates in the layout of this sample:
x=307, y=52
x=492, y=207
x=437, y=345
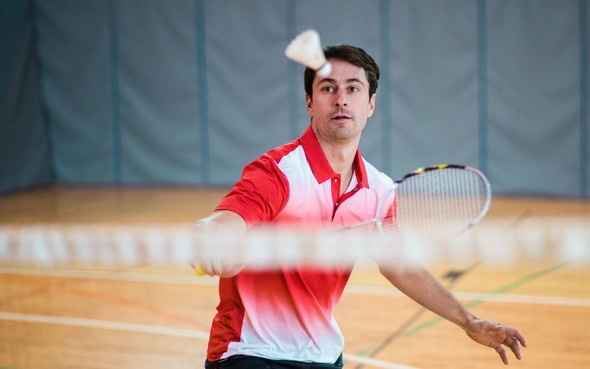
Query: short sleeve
x=260, y=194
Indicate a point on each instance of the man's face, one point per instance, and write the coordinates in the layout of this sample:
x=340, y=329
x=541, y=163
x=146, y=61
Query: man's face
x=341, y=104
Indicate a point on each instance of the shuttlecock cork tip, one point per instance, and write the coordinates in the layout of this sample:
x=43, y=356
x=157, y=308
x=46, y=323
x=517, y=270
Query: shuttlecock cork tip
x=307, y=50
x=325, y=69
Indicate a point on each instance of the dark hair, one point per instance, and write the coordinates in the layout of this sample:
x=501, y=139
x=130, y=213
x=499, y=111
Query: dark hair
x=353, y=55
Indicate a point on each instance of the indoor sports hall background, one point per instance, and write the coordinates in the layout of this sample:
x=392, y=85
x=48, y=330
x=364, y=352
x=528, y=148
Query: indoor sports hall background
x=150, y=109
x=185, y=92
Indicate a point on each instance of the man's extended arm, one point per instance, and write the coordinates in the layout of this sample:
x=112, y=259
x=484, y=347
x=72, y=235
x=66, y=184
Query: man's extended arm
x=418, y=284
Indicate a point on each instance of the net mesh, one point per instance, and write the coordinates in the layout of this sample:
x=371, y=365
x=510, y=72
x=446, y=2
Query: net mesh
x=494, y=241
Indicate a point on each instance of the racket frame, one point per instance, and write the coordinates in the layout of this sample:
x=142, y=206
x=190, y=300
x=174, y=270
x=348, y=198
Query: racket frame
x=378, y=221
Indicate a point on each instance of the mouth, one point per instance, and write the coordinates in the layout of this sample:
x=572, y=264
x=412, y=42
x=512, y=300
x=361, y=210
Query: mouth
x=339, y=117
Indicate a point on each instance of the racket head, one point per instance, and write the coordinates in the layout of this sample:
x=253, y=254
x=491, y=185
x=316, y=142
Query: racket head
x=440, y=200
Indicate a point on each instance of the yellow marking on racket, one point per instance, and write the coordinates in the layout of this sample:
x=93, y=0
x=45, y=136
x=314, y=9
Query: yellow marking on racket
x=422, y=170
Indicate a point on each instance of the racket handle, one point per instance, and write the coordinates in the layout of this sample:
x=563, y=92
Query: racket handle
x=199, y=271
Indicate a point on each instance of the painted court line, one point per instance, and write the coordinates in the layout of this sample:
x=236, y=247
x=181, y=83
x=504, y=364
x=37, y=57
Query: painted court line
x=109, y=275
x=500, y=291
x=189, y=279
x=103, y=324
x=488, y=297
x=375, y=362
x=159, y=330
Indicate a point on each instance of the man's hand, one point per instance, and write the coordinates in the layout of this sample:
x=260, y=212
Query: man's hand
x=231, y=226
x=495, y=335
x=218, y=267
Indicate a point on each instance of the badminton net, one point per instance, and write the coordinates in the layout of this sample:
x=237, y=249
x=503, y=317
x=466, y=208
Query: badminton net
x=495, y=241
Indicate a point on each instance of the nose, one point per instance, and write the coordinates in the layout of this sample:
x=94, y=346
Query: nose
x=340, y=99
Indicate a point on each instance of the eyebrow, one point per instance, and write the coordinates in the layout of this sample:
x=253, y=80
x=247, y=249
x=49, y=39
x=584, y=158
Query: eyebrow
x=332, y=80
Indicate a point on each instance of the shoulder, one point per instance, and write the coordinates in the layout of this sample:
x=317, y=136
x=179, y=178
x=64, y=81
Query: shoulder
x=263, y=189
x=376, y=177
x=274, y=156
x=287, y=163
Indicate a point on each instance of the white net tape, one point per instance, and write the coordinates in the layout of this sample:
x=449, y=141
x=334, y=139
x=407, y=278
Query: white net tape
x=500, y=242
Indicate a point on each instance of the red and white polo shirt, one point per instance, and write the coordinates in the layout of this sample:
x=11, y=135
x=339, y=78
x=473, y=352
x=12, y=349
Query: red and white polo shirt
x=287, y=314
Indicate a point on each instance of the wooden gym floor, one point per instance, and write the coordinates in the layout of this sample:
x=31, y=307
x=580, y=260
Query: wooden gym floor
x=145, y=318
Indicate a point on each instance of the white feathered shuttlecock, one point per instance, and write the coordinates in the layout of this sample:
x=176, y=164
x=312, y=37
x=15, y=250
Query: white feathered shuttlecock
x=307, y=50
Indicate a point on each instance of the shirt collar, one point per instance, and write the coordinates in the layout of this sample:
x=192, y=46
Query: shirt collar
x=319, y=164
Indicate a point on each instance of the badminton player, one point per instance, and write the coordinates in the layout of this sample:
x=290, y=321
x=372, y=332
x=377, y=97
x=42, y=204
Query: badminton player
x=282, y=318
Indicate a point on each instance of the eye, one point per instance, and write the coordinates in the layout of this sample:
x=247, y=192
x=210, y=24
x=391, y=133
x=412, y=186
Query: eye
x=353, y=89
x=327, y=88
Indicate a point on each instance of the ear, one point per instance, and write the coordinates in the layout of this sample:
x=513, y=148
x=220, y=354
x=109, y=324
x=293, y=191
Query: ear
x=309, y=104
x=372, y=105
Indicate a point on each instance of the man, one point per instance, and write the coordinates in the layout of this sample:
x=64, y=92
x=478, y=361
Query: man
x=282, y=318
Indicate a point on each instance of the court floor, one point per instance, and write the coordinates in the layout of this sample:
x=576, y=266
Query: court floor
x=147, y=317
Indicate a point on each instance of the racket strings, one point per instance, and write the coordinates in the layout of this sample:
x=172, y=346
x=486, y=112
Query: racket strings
x=442, y=202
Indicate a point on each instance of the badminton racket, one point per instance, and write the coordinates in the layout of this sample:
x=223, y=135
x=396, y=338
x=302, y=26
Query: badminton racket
x=439, y=200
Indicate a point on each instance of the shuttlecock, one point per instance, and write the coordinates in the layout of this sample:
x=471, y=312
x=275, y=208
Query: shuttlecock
x=306, y=49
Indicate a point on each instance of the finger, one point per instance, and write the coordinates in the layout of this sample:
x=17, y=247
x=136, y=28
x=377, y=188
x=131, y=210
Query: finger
x=232, y=270
x=515, y=347
x=500, y=350
x=520, y=338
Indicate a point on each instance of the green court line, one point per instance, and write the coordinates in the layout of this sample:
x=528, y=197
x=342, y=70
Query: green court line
x=509, y=287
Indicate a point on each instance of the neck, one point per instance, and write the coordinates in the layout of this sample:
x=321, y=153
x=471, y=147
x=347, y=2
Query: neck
x=341, y=159
x=340, y=153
